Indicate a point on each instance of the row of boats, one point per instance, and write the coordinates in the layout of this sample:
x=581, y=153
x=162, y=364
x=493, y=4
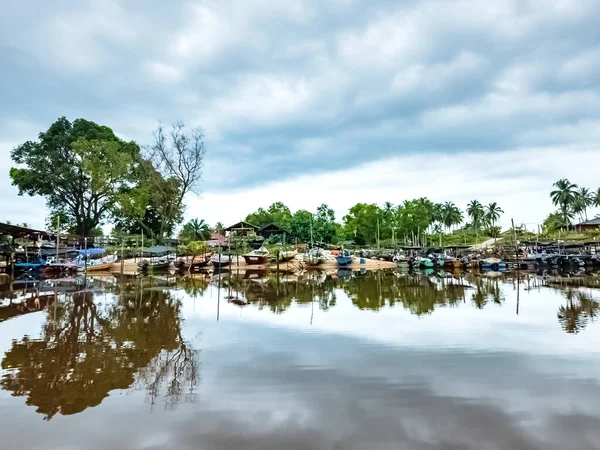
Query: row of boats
x=89, y=260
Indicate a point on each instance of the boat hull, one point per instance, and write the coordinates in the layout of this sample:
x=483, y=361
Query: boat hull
x=155, y=267
x=344, y=261
x=95, y=268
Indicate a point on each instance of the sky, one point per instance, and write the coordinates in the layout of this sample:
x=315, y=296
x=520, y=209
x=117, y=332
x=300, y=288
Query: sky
x=311, y=101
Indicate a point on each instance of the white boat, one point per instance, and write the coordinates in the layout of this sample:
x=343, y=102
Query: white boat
x=314, y=257
x=259, y=256
x=287, y=255
x=220, y=260
x=95, y=259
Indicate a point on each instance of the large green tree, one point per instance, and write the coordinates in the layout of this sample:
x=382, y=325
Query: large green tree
x=195, y=230
x=78, y=167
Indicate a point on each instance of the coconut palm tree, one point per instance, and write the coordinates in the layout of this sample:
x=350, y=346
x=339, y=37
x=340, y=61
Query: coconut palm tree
x=220, y=228
x=596, y=198
x=564, y=197
x=492, y=213
x=451, y=215
x=583, y=200
x=476, y=212
x=196, y=230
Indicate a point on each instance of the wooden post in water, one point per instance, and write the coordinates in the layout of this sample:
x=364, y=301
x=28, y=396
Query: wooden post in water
x=85, y=254
x=516, y=246
x=122, y=260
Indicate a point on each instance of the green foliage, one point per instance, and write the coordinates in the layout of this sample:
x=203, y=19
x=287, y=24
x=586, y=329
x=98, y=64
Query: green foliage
x=78, y=167
x=195, y=230
x=554, y=222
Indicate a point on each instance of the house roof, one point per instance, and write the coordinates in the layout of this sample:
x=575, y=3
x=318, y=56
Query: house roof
x=595, y=221
x=241, y=225
x=19, y=232
x=272, y=227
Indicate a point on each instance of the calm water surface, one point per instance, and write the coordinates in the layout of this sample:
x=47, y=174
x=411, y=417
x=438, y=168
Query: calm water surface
x=376, y=360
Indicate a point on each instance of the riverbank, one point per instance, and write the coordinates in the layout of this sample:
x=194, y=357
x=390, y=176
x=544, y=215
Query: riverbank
x=130, y=267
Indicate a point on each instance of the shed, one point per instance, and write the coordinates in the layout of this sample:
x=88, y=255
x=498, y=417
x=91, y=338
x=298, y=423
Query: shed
x=272, y=230
x=592, y=224
x=242, y=228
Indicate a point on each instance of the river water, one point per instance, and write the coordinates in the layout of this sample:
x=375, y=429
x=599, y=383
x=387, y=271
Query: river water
x=375, y=360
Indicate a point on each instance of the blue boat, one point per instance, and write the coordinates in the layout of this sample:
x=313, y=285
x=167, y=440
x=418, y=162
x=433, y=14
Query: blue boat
x=492, y=264
x=30, y=266
x=344, y=258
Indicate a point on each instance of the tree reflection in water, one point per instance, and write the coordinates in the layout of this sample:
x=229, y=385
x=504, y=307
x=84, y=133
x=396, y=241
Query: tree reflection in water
x=580, y=309
x=86, y=351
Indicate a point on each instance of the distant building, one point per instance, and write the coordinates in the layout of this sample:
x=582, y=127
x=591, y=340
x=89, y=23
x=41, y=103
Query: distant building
x=217, y=240
x=592, y=224
x=273, y=230
x=241, y=229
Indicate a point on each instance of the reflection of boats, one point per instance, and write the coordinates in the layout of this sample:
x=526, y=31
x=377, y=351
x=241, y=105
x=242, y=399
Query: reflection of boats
x=344, y=258
x=220, y=260
x=95, y=259
x=344, y=274
x=254, y=274
x=259, y=256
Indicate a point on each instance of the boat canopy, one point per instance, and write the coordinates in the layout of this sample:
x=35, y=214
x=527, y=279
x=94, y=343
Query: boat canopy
x=92, y=251
x=159, y=250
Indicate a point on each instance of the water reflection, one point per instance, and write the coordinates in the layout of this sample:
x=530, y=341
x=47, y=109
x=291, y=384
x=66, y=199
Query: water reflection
x=432, y=360
x=88, y=349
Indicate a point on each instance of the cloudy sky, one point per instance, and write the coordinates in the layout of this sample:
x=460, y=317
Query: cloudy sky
x=313, y=101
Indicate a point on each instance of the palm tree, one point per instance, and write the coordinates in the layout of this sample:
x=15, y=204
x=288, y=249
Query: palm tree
x=583, y=200
x=220, y=228
x=476, y=212
x=196, y=230
x=564, y=197
x=450, y=215
x=492, y=214
x=596, y=198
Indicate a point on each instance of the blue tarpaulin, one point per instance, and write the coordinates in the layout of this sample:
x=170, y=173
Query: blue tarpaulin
x=92, y=251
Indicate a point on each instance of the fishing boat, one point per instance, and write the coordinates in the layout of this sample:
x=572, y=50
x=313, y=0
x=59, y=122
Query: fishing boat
x=95, y=259
x=344, y=258
x=259, y=256
x=422, y=262
x=492, y=264
x=194, y=265
x=220, y=260
x=155, y=264
x=314, y=257
x=287, y=255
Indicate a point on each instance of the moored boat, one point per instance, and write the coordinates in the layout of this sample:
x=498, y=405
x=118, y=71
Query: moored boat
x=259, y=256
x=314, y=257
x=492, y=264
x=344, y=258
x=220, y=260
x=95, y=260
x=287, y=255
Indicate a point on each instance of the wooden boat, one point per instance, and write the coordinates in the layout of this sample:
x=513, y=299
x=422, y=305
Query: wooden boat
x=259, y=256
x=196, y=264
x=287, y=255
x=94, y=260
x=154, y=265
x=220, y=260
x=344, y=258
x=314, y=257
x=492, y=264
